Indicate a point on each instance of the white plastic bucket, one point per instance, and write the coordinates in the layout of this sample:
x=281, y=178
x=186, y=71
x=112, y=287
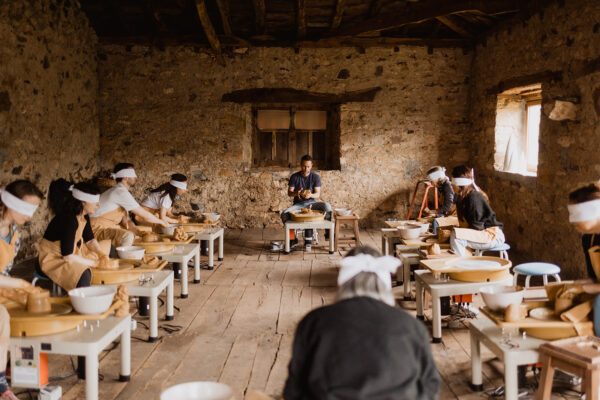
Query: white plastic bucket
x=198, y=391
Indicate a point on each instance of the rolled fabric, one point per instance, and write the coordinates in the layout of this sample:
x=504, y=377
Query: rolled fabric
x=462, y=181
x=16, y=204
x=381, y=266
x=124, y=173
x=179, y=184
x=586, y=211
x=434, y=176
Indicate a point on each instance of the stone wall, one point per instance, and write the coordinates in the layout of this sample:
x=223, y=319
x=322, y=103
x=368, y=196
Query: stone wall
x=162, y=110
x=48, y=91
x=563, y=39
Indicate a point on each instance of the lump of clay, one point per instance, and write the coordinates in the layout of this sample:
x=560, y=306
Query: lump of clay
x=183, y=219
x=150, y=237
x=123, y=295
x=434, y=250
x=179, y=234
x=515, y=312
x=106, y=263
x=305, y=194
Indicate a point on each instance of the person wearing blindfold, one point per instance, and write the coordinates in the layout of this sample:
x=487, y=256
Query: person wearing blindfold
x=161, y=200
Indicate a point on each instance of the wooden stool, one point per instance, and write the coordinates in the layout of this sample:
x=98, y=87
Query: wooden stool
x=346, y=220
x=578, y=356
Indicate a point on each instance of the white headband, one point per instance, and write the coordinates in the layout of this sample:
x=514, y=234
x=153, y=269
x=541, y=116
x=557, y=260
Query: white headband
x=586, y=211
x=124, y=173
x=16, y=204
x=83, y=196
x=434, y=176
x=462, y=181
x=178, y=184
x=382, y=266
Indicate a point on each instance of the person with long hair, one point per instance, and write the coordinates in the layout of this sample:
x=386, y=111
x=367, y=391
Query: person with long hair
x=584, y=215
x=68, y=248
x=479, y=228
x=161, y=200
x=111, y=220
x=438, y=178
x=362, y=347
x=18, y=202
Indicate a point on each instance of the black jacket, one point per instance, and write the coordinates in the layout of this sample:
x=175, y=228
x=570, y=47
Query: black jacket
x=475, y=209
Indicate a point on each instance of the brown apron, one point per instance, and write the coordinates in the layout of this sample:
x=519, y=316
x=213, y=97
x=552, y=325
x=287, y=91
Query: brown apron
x=108, y=226
x=594, y=253
x=7, y=250
x=65, y=273
x=473, y=235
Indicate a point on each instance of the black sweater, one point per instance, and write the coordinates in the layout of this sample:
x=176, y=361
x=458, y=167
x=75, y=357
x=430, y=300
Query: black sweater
x=475, y=209
x=449, y=198
x=63, y=227
x=361, y=349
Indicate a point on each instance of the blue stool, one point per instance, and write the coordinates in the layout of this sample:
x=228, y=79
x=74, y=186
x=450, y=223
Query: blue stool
x=38, y=275
x=502, y=249
x=536, y=269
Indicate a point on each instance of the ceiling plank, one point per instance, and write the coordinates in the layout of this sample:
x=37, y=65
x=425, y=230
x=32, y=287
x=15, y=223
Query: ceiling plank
x=301, y=17
x=285, y=95
x=209, y=29
x=339, y=13
x=260, y=11
x=455, y=25
x=223, y=6
x=425, y=10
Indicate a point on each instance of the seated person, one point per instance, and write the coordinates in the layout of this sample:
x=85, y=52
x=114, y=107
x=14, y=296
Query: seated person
x=438, y=178
x=161, y=200
x=111, y=220
x=68, y=248
x=305, y=188
x=362, y=347
x=479, y=228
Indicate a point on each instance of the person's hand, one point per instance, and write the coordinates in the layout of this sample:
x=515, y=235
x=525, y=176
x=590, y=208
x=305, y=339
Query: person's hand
x=22, y=284
x=299, y=194
x=8, y=395
x=164, y=223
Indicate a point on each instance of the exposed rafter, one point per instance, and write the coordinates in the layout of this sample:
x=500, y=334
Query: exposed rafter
x=301, y=18
x=259, y=16
x=224, y=11
x=209, y=29
x=453, y=23
x=422, y=11
x=339, y=13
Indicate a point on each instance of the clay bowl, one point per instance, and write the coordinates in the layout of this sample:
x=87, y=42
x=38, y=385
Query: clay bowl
x=39, y=302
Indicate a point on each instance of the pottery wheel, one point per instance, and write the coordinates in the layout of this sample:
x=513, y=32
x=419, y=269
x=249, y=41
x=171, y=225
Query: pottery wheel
x=478, y=264
x=20, y=311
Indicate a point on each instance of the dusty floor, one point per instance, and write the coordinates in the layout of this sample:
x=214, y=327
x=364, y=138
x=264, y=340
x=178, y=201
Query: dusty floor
x=237, y=327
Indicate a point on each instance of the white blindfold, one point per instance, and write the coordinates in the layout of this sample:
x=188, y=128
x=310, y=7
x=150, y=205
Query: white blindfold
x=434, y=176
x=586, y=211
x=83, y=196
x=124, y=173
x=16, y=204
x=381, y=266
x=179, y=185
x=462, y=181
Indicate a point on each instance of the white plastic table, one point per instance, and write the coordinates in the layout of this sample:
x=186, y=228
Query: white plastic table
x=210, y=234
x=161, y=280
x=88, y=343
x=424, y=280
x=309, y=225
x=409, y=256
x=181, y=254
x=389, y=238
x=486, y=332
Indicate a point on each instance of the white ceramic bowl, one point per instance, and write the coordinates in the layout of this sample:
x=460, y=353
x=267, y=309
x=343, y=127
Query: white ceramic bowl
x=92, y=300
x=214, y=216
x=131, y=252
x=424, y=226
x=168, y=230
x=198, y=391
x=410, y=231
x=497, y=298
x=343, y=212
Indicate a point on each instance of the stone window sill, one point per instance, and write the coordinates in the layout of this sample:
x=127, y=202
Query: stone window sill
x=529, y=181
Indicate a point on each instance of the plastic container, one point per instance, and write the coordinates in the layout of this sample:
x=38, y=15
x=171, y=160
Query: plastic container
x=131, y=252
x=497, y=298
x=410, y=231
x=198, y=391
x=343, y=212
x=92, y=300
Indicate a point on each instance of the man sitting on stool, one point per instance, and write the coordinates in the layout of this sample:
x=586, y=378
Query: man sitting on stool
x=305, y=187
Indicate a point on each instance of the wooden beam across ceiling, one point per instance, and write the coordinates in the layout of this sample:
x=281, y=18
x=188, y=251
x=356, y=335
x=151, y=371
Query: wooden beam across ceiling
x=260, y=11
x=425, y=10
x=339, y=13
x=209, y=30
x=301, y=17
x=284, y=95
x=453, y=23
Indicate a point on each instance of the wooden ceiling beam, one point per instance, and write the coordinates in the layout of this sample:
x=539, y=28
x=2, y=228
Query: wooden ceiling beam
x=452, y=23
x=425, y=10
x=223, y=6
x=260, y=11
x=339, y=13
x=284, y=95
x=209, y=30
x=301, y=18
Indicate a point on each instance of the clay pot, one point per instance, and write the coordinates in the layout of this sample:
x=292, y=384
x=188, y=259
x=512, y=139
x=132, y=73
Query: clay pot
x=515, y=312
x=151, y=237
x=39, y=302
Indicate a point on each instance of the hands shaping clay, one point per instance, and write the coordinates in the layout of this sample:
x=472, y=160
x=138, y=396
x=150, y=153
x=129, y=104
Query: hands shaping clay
x=150, y=237
x=106, y=263
x=183, y=219
x=305, y=194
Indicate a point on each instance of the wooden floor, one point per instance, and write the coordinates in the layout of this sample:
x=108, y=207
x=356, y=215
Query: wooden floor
x=237, y=327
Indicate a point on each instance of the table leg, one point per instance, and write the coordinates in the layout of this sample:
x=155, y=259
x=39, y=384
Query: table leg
x=170, y=290
x=153, y=319
x=406, y=279
x=91, y=376
x=384, y=249
x=287, y=240
x=197, y=265
x=419, y=297
x=125, y=374
x=476, y=374
x=436, y=311
x=221, y=246
x=211, y=253
x=331, y=240
x=511, y=379
x=184, y=279
x=545, y=386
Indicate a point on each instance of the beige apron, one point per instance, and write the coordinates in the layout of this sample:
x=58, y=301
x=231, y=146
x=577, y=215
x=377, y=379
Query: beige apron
x=65, y=273
x=594, y=253
x=473, y=235
x=7, y=250
x=108, y=227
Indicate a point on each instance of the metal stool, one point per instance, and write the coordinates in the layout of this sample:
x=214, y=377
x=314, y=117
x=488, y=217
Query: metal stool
x=536, y=269
x=39, y=275
x=428, y=186
x=502, y=249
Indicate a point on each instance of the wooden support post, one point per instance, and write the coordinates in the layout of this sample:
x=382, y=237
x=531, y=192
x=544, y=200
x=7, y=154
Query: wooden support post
x=211, y=35
x=454, y=24
x=259, y=13
x=301, y=14
x=339, y=13
x=223, y=6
